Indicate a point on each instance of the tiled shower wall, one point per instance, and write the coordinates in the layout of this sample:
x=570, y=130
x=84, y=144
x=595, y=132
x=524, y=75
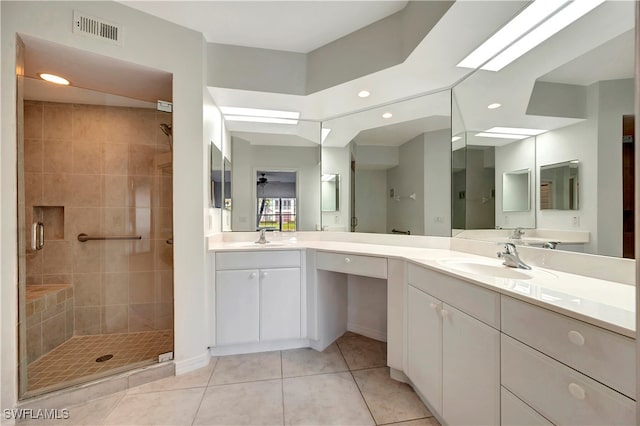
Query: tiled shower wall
x=107, y=171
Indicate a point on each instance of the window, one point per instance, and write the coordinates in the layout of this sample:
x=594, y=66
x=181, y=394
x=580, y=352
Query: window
x=276, y=214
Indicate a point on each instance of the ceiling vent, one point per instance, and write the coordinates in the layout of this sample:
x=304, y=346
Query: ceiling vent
x=96, y=27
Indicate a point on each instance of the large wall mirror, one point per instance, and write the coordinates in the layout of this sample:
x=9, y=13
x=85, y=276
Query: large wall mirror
x=563, y=103
x=393, y=163
x=271, y=175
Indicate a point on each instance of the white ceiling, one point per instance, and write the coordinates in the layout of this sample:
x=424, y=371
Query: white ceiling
x=296, y=26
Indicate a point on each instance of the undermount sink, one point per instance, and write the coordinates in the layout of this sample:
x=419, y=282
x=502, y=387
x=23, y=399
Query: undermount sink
x=493, y=269
x=251, y=244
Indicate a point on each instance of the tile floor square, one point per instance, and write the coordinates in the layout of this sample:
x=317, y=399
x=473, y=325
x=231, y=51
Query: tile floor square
x=362, y=352
x=306, y=361
x=247, y=368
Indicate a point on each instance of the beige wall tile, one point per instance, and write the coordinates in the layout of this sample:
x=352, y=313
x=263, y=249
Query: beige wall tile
x=89, y=123
x=162, y=222
x=115, y=288
x=86, y=190
x=141, y=222
x=87, y=320
x=57, y=257
x=57, y=279
x=34, y=262
x=142, y=287
x=82, y=220
x=33, y=119
x=164, y=281
x=116, y=159
x=57, y=121
x=34, y=279
x=115, y=319
x=53, y=219
x=141, y=159
x=87, y=289
x=141, y=317
x=53, y=332
x=88, y=256
x=165, y=191
x=164, y=255
x=88, y=157
x=143, y=256
x=57, y=156
x=163, y=316
x=141, y=191
x=144, y=126
x=33, y=155
x=116, y=191
x=34, y=343
x=69, y=317
x=34, y=184
x=116, y=221
x=116, y=256
x=119, y=125
x=56, y=187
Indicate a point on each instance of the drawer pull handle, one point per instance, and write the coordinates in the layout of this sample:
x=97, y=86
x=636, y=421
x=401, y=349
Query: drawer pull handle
x=347, y=260
x=444, y=313
x=576, y=338
x=577, y=391
x=433, y=305
x=252, y=275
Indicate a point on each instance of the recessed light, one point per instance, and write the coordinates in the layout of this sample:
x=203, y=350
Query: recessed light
x=364, y=93
x=494, y=105
x=574, y=11
x=387, y=115
x=516, y=131
x=256, y=112
x=52, y=78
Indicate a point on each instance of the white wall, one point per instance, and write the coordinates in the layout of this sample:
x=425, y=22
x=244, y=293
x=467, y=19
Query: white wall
x=406, y=179
x=367, y=306
x=437, y=183
x=151, y=42
x=338, y=161
x=519, y=155
x=247, y=159
x=371, y=200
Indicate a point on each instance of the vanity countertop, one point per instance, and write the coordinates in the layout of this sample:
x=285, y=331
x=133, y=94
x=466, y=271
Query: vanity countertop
x=606, y=304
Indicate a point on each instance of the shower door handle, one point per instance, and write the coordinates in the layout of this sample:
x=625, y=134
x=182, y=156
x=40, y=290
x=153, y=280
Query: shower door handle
x=37, y=236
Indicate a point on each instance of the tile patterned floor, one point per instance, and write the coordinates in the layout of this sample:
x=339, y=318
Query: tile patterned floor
x=74, y=361
x=347, y=384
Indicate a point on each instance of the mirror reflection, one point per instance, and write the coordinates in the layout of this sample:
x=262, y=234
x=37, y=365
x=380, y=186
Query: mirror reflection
x=569, y=97
x=393, y=163
x=330, y=192
x=515, y=191
x=559, y=186
x=215, y=159
x=275, y=173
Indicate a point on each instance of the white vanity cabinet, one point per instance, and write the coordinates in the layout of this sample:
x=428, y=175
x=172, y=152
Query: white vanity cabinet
x=453, y=358
x=258, y=296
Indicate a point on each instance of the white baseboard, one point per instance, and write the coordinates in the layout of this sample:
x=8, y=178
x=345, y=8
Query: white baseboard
x=367, y=332
x=249, y=348
x=191, y=364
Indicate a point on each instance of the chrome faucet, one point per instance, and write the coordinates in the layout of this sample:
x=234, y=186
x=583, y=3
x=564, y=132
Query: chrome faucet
x=517, y=234
x=262, y=239
x=511, y=257
x=550, y=245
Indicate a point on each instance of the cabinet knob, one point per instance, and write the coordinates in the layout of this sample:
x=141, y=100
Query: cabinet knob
x=577, y=391
x=576, y=338
x=347, y=260
x=444, y=313
x=433, y=305
x=252, y=275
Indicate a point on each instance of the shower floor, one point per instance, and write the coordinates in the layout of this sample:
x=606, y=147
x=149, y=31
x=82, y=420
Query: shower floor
x=74, y=361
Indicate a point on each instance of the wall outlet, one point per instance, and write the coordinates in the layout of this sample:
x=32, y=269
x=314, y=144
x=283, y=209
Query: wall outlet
x=167, y=356
x=506, y=220
x=336, y=219
x=575, y=221
x=438, y=219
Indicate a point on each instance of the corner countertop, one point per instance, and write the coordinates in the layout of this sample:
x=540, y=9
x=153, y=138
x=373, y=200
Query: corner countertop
x=606, y=304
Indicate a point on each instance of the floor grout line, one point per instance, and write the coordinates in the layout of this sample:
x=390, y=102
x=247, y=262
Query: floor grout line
x=282, y=385
x=356, y=383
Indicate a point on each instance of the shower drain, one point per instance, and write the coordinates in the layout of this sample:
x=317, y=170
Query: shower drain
x=104, y=358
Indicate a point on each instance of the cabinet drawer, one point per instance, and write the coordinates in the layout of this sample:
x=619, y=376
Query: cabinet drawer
x=559, y=393
x=476, y=301
x=367, y=266
x=257, y=259
x=603, y=355
x=514, y=412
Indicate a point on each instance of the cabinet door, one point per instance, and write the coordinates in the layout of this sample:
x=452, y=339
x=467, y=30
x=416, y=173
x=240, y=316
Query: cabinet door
x=470, y=370
x=237, y=307
x=280, y=304
x=424, y=345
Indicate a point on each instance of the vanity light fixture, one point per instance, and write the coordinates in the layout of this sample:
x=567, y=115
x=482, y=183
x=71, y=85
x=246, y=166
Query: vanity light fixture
x=364, y=93
x=501, y=135
x=535, y=13
x=387, y=115
x=571, y=13
x=494, y=105
x=52, y=78
x=257, y=115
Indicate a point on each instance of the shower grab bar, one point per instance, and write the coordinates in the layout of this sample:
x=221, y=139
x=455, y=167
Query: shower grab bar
x=84, y=237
